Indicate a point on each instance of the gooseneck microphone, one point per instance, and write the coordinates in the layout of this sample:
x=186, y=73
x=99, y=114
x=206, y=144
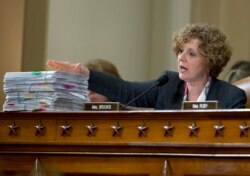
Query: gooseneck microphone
x=159, y=82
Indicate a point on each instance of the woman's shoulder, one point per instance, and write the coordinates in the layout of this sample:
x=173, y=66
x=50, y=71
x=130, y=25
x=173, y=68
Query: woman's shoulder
x=226, y=85
x=228, y=95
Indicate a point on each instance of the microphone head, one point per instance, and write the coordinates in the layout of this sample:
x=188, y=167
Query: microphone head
x=162, y=80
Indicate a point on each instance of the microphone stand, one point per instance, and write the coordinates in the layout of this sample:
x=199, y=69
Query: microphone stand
x=126, y=105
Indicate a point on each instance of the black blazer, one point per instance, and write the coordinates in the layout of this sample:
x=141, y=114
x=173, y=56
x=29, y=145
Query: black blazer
x=168, y=96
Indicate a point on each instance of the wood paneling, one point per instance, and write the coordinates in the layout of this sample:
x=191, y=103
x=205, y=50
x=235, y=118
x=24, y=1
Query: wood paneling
x=128, y=154
x=11, y=34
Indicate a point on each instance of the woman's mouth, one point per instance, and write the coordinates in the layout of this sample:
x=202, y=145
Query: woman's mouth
x=182, y=69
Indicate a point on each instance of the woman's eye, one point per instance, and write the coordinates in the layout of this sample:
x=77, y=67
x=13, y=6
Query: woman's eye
x=180, y=51
x=192, y=54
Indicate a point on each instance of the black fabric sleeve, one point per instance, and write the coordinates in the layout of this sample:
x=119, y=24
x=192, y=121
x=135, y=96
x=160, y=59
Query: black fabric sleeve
x=122, y=91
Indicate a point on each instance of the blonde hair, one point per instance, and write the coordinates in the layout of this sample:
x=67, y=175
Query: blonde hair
x=239, y=70
x=104, y=66
x=213, y=45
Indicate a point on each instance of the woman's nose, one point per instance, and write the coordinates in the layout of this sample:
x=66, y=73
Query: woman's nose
x=181, y=56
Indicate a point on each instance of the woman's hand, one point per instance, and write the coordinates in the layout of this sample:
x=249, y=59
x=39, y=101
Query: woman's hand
x=68, y=67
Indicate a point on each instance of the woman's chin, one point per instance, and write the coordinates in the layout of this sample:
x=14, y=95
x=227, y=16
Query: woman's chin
x=182, y=77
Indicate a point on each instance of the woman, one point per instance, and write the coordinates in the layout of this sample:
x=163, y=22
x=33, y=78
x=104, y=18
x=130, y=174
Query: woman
x=104, y=66
x=239, y=70
x=202, y=53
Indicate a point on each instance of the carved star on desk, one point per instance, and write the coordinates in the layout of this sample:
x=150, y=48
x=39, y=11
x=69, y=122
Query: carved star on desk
x=193, y=129
x=13, y=128
x=116, y=129
x=244, y=129
x=168, y=129
x=219, y=129
x=142, y=129
x=40, y=128
x=66, y=129
x=91, y=129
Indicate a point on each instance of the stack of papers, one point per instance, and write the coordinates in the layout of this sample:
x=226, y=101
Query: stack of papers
x=45, y=91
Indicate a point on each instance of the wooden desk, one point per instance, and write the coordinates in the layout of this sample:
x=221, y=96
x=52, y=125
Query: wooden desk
x=133, y=143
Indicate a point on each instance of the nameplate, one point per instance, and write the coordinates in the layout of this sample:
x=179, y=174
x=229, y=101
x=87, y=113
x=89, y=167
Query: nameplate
x=102, y=106
x=193, y=105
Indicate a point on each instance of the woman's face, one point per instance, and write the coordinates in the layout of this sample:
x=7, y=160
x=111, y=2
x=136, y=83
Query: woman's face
x=95, y=97
x=191, y=64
